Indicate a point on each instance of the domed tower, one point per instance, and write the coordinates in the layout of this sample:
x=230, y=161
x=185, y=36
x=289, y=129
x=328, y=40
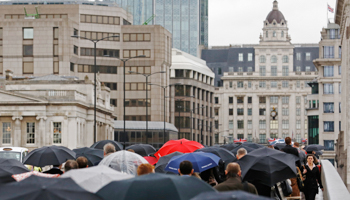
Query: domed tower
x=275, y=27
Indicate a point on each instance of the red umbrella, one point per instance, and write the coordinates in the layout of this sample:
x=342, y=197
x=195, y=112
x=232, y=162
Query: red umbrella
x=182, y=145
x=152, y=160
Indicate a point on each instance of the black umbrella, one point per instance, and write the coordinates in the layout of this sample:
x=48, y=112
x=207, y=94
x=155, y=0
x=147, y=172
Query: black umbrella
x=252, y=145
x=49, y=155
x=154, y=186
x=142, y=149
x=224, y=154
x=313, y=147
x=233, y=195
x=229, y=146
x=249, y=149
x=267, y=166
x=8, y=167
x=92, y=155
x=100, y=144
x=37, y=188
x=163, y=161
x=279, y=146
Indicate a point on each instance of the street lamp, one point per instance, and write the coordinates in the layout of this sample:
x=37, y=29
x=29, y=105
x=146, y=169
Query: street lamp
x=95, y=71
x=164, y=87
x=147, y=75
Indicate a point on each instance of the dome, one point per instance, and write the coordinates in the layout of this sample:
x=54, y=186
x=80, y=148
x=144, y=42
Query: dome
x=275, y=14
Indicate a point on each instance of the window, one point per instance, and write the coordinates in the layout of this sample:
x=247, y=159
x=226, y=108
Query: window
x=298, y=111
x=298, y=84
x=30, y=133
x=219, y=71
x=75, y=50
x=56, y=67
x=262, y=84
x=262, y=111
x=250, y=56
x=328, y=71
x=262, y=71
x=72, y=67
x=328, y=126
x=274, y=100
x=101, y=69
x=273, y=70
x=285, y=124
x=298, y=56
x=75, y=31
x=113, y=102
x=230, y=100
x=273, y=59
x=298, y=68
x=1, y=34
x=240, y=69
x=249, y=84
x=308, y=56
x=328, y=107
x=284, y=135
x=262, y=138
x=240, y=57
x=285, y=59
x=285, y=100
x=28, y=68
x=250, y=111
x=267, y=34
x=132, y=53
x=240, y=111
x=273, y=84
x=240, y=124
x=240, y=99
x=250, y=124
x=307, y=68
x=28, y=33
x=282, y=34
x=262, y=59
x=273, y=124
x=240, y=84
x=28, y=50
x=339, y=88
x=262, y=99
x=112, y=86
x=216, y=123
x=285, y=71
x=240, y=136
x=230, y=69
x=230, y=124
x=339, y=70
x=328, y=52
x=216, y=99
x=216, y=111
x=250, y=69
x=329, y=145
x=274, y=34
x=298, y=99
x=136, y=37
x=262, y=124
x=285, y=84
x=249, y=99
x=285, y=111
x=230, y=111
x=6, y=132
x=101, y=19
x=328, y=88
x=57, y=132
x=179, y=73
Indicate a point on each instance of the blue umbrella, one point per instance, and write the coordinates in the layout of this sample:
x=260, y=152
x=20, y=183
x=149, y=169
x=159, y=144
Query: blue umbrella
x=201, y=161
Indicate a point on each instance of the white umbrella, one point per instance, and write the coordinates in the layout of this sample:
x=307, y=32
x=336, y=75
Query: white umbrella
x=124, y=161
x=94, y=178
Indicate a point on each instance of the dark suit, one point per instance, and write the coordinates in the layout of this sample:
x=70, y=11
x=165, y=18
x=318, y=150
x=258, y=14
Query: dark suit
x=54, y=171
x=294, y=151
x=235, y=183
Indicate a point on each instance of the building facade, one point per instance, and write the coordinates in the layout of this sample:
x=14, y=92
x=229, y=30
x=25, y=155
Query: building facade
x=324, y=102
x=42, y=45
x=192, y=105
x=53, y=110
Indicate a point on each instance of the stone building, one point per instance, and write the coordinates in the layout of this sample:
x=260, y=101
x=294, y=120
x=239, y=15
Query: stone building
x=324, y=102
x=192, y=105
x=266, y=97
x=42, y=44
x=52, y=110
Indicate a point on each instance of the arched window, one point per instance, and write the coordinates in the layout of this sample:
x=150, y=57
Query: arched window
x=273, y=59
x=282, y=34
x=267, y=34
x=262, y=59
x=274, y=34
x=285, y=59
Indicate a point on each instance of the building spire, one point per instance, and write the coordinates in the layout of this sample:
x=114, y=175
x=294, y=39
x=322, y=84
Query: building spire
x=275, y=5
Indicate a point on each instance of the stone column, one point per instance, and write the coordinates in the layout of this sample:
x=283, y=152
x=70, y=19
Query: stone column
x=17, y=139
x=40, y=137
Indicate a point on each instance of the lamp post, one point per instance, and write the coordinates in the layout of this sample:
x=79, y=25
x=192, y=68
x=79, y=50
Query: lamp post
x=147, y=75
x=164, y=87
x=95, y=71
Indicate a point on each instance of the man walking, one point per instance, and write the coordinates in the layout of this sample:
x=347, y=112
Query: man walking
x=185, y=168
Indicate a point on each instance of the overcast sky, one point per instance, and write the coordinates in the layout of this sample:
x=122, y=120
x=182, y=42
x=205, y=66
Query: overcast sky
x=241, y=21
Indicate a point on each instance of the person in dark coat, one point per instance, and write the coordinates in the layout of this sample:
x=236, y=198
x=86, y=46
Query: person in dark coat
x=56, y=169
x=234, y=180
x=313, y=178
x=291, y=150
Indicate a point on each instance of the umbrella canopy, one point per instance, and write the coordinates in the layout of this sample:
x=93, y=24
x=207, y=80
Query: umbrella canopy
x=163, y=161
x=142, y=149
x=124, y=161
x=224, y=154
x=249, y=149
x=229, y=146
x=313, y=147
x=201, y=161
x=252, y=145
x=22, y=176
x=154, y=186
x=35, y=187
x=100, y=144
x=279, y=146
x=91, y=154
x=152, y=160
x=182, y=145
x=94, y=178
x=267, y=166
x=49, y=155
x=233, y=195
x=8, y=167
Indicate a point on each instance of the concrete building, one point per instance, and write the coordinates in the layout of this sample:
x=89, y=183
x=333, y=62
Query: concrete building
x=264, y=91
x=192, y=106
x=42, y=44
x=343, y=143
x=52, y=110
x=324, y=102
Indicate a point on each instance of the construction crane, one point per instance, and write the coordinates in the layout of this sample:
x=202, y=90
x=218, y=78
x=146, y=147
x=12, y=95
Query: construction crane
x=31, y=16
x=149, y=20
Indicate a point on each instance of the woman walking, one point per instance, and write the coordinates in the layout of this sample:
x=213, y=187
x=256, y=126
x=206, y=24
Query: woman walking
x=313, y=178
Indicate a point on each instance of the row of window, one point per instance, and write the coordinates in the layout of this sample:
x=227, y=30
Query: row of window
x=328, y=71
x=262, y=138
x=137, y=102
x=285, y=71
x=262, y=111
x=262, y=70
x=99, y=52
x=99, y=35
x=262, y=124
x=273, y=100
x=181, y=73
x=136, y=37
x=136, y=86
x=137, y=117
x=273, y=59
x=241, y=57
x=100, y=19
x=100, y=69
x=41, y=16
x=328, y=107
x=185, y=90
x=329, y=89
x=328, y=52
